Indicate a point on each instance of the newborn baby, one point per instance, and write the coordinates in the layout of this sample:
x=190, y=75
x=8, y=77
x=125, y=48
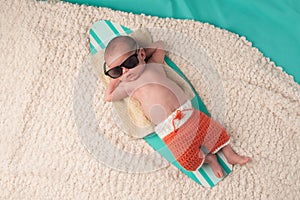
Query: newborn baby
x=192, y=137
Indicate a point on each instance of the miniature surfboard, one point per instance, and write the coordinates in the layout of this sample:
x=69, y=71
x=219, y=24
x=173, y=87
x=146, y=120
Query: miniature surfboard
x=101, y=33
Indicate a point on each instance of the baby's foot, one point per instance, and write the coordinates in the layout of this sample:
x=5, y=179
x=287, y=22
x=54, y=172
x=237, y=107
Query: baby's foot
x=211, y=159
x=234, y=158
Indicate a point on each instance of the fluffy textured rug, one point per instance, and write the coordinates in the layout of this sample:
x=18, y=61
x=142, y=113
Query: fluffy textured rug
x=43, y=48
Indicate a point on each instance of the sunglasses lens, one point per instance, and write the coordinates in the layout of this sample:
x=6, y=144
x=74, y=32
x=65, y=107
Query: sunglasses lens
x=131, y=62
x=115, y=72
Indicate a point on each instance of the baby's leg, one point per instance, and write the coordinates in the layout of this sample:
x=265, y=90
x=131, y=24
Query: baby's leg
x=211, y=160
x=233, y=158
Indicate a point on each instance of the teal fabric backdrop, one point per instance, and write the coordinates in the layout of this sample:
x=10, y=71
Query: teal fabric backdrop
x=273, y=26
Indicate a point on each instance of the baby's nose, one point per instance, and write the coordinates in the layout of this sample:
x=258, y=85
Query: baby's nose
x=125, y=70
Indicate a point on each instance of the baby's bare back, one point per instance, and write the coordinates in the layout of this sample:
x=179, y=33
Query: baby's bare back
x=158, y=95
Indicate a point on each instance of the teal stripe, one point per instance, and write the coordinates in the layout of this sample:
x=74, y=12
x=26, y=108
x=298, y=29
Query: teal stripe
x=93, y=49
x=210, y=173
x=111, y=26
x=103, y=32
x=188, y=173
x=174, y=66
x=223, y=164
x=206, y=177
x=193, y=177
x=126, y=30
x=97, y=39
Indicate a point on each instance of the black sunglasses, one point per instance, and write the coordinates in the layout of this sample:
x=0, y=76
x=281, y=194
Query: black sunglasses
x=115, y=72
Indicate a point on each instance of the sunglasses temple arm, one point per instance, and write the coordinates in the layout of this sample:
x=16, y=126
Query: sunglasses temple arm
x=104, y=68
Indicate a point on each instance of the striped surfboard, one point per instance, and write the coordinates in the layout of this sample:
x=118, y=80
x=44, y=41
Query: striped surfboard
x=100, y=34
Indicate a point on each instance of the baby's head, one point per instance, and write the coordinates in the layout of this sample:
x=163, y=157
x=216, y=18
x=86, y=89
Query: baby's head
x=123, y=58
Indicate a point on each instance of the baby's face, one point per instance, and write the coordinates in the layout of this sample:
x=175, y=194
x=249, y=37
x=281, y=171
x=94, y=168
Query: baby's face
x=127, y=60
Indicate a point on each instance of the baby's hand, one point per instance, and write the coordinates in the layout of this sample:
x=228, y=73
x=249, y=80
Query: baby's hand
x=155, y=52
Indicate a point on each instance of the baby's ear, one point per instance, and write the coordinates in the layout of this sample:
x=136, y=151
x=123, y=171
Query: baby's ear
x=142, y=53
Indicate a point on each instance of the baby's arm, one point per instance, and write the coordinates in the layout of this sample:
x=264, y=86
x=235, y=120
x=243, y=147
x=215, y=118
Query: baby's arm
x=113, y=92
x=155, y=53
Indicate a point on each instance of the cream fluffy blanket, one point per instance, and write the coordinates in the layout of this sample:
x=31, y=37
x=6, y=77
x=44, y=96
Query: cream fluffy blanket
x=43, y=47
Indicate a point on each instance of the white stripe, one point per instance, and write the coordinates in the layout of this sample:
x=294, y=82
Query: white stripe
x=210, y=173
x=104, y=32
x=201, y=179
x=225, y=160
x=199, y=175
x=94, y=43
x=120, y=29
x=104, y=38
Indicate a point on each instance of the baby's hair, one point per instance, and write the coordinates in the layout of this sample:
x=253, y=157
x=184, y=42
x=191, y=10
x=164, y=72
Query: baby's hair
x=129, y=43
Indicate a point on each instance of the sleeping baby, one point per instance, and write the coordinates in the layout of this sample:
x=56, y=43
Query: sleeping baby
x=192, y=137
